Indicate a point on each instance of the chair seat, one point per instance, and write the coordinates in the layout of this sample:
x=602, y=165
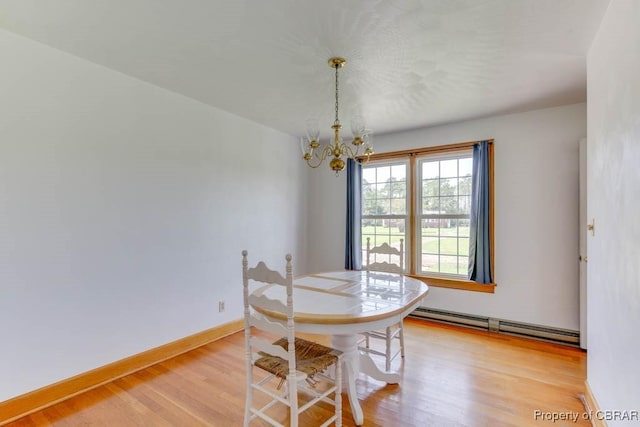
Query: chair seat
x=311, y=358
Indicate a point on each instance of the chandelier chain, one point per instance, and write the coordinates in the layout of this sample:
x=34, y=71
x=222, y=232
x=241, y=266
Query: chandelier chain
x=337, y=121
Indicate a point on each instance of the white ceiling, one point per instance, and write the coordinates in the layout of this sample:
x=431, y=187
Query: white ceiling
x=411, y=63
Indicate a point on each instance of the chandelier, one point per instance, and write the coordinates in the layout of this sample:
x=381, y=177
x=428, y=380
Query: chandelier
x=314, y=155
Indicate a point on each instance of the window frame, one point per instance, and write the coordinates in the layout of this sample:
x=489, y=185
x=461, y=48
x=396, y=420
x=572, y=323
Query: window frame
x=411, y=245
x=406, y=216
x=420, y=216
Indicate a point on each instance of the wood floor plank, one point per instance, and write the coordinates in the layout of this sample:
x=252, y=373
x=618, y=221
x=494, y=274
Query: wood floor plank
x=451, y=376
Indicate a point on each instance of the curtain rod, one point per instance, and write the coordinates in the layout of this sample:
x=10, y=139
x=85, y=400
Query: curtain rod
x=460, y=146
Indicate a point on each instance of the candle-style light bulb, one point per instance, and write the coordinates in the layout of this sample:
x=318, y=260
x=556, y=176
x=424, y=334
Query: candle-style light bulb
x=313, y=130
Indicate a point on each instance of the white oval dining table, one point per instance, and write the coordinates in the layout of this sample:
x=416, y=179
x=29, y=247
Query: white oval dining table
x=344, y=304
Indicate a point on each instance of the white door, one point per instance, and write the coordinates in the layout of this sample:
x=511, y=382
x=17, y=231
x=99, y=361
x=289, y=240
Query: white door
x=583, y=242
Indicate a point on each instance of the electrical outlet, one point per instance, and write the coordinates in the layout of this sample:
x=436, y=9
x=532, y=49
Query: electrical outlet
x=220, y=306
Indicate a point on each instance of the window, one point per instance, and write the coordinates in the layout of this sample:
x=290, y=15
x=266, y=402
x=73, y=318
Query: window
x=385, y=206
x=424, y=197
x=442, y=227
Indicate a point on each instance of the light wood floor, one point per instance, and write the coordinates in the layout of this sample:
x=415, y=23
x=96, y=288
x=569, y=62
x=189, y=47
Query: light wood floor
x=450, y=377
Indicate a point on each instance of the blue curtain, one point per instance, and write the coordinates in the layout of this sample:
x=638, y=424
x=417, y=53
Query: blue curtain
x=353, y=247
x=479, y=241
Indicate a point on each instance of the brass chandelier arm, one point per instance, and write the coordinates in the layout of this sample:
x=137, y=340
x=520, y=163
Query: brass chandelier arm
x=321, y=158
x=349, y=152
x=355, y=155
x=342, y=149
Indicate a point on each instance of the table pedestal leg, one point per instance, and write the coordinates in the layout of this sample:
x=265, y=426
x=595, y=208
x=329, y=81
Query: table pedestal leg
x=368, y=367
x=354, y=362
x=348, y=344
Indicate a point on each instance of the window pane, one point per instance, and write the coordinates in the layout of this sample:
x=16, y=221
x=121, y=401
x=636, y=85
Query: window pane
x=449, y=205
x=465, y=166
x=398, y=206
x=463, y=246
x=430, y=245
x=398, y=195
x=448, y=227
x=464, y=186
x=399, y=172
x=367, y=190
x=463, y=227
x=430, y=263
x=430, y=227
x=430, y=170
x=370, y=207
x=369, y=175
x=383, y=173
x=398, y=188
x=430, y=205
x=449, y=187
x=449, y=168
x=464, y=205
x=430, y=188
x=369, y=200
x=449, y=264
x=463, y=265
x=387, y=205
x=448, y=245
x=381, y=191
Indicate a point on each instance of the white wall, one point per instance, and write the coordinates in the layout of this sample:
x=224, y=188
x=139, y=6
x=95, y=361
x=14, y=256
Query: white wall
x=536, y=217
x=613, y=70
x=123, y=212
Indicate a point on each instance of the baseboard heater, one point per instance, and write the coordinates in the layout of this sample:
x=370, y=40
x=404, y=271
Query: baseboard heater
x=547, y=333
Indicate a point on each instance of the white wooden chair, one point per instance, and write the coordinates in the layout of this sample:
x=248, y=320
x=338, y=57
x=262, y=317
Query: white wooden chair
x=296, y=363
x=394, y=332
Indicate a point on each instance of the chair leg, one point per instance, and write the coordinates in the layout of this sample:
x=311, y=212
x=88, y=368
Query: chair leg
x=249, y=399
x=401, y=339
x=388, y=350
x=338, y=396
x=293, y=400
